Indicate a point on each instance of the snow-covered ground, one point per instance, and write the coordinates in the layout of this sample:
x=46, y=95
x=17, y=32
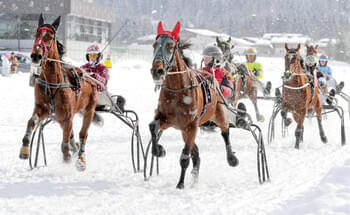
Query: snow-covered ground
x=312, y=180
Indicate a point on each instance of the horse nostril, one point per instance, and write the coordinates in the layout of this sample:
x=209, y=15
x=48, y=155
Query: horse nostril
x=35, y=57
x=160, y=72
x=157, y=72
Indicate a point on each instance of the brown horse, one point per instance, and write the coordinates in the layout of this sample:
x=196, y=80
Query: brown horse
x=244, y=85
x=244, y=81
x=297, y=96
x=59, y=93
x=181, y=103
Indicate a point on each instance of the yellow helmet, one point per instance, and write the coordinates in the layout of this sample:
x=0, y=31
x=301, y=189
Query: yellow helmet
x=250, y=51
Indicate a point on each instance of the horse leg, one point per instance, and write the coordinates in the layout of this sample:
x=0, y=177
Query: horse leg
x=238, y=85
x=155, y=127
x=231, y=158
x=87, y=119
x=74, y=146
x=318, y=110
x=253, y=98
x=299, y=131
x=196, y=162
x=67, y=127
x=38, y=115
x=222, y=122
x=287, y=121
x=188, y=135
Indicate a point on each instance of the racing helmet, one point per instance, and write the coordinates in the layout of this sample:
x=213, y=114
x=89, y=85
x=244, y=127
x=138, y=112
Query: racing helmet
x=214, y=52
x=93, y=49
x=250, y=52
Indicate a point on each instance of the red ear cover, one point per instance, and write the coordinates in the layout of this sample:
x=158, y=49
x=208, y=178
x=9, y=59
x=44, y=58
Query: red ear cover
x=174, y=34
x=160, y=29
x=176, y=31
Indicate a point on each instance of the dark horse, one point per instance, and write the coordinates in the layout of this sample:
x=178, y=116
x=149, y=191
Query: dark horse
x=243, y=80
x=181, y=103
x=60, y=93
x=311, y=52
x=297, y=96
x=226, y=47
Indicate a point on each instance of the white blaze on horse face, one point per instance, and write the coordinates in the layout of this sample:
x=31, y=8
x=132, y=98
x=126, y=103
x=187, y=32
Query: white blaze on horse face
x=194, y=112
x=187, y=100
x=158, y=82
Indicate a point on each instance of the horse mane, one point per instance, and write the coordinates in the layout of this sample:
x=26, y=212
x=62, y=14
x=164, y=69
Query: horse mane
x=182, y=45
x=61, y=49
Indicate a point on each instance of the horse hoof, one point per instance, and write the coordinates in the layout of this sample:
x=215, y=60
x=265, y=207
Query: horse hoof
x=180, y=186
x=158, y=151
x=324, y=139
x=24, y=152
x=81, y=164
x=261, y=118
x=67, y=157
x=232, y=160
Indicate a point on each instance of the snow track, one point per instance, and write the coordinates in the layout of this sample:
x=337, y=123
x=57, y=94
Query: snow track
x=109, y=186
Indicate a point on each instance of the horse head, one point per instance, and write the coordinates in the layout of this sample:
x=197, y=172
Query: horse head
x=164, y=53
x=311, y=55
x=292, y=56
x=45, y=38
x=225, y=46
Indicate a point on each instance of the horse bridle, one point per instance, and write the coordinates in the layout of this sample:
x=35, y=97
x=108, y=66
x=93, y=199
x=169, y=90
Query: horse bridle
x=225, y=48
x=40, y=43
x=292, y=53
x=162, y=55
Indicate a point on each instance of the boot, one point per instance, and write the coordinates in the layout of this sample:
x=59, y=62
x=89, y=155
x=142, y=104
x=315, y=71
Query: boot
x=121, y=103
x=339, y=87
x=267, y=89
x=330, y=97
x=242, y=110
x=278, y=95
x=100, y=108
x=241, y=115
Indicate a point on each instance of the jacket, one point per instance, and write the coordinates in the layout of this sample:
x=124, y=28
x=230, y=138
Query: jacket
x=220, y=74
x=100, y=73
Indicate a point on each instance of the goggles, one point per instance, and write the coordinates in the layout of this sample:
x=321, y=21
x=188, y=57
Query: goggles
x=93, y=55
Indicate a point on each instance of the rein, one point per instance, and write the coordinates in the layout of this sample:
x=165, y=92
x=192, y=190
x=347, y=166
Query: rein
x=191, y=86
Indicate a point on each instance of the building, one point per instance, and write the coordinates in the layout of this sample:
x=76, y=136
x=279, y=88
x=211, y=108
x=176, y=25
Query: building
x=203, y=37
x=82, y=22
x=278, y=41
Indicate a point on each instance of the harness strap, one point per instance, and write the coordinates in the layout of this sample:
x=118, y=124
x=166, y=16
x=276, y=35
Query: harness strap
x=182, y=89
x=296, y=88
x=53, y=85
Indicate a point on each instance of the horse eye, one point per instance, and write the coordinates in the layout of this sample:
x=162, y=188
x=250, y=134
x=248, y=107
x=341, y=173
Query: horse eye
x=155, y=45
x=170, y=47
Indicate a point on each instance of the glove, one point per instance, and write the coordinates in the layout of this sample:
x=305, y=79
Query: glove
x=322, y=82
x=256, y=72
